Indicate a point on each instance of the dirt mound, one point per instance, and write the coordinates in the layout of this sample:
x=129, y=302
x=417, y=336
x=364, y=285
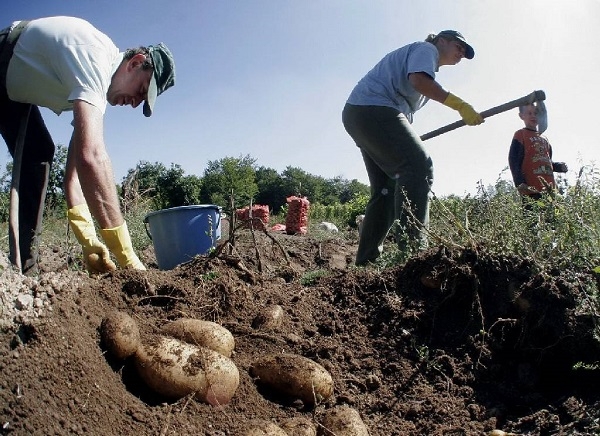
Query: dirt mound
x=454, y=343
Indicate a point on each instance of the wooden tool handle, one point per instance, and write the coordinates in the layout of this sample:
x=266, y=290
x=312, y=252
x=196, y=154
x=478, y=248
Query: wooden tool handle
x=528, y=99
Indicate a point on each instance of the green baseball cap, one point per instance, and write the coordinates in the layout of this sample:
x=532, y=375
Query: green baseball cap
x=163, y=76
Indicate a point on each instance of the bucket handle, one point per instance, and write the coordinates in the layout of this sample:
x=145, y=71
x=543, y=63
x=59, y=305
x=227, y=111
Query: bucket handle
x=146, y=227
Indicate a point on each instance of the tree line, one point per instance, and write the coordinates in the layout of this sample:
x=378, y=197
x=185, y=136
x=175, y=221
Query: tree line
x=230, y=181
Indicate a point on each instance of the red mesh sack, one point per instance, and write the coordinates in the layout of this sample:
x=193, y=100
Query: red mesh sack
x=258, y=211
x=296, y=220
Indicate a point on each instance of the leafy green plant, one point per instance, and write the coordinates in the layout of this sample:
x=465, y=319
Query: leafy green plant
x=209, y=276
x=310, y=277
x=134, y=216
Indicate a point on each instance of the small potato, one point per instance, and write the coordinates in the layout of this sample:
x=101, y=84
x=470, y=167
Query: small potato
x=269, y=318
x=120, y=334
x=298, y=426
x=342, y=421
x=295, y=376
x=175, y=369
x=202, y=334
x=264, y=428
x=99, y=265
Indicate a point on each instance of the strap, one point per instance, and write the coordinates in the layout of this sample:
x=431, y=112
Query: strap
x=15, y=32
x=8, y=40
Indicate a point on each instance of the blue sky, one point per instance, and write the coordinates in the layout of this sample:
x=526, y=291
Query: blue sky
x=269, y=79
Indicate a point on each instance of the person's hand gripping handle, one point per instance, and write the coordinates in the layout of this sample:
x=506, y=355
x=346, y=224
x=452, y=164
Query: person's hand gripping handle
x=466, y=111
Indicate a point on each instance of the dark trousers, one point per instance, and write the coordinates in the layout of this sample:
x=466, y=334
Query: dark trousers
x=400, y=174
x=38, y=152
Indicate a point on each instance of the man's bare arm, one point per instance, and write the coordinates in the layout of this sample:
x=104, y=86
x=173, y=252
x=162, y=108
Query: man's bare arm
x=89, y=173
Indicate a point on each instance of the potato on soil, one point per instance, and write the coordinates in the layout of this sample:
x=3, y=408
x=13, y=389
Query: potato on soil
x=175, y=369
x=269, y=318
x=202, y=334
x=298, y=426
x=342, y=421
x=120, y=334
x=264, y=428
x=295, y=376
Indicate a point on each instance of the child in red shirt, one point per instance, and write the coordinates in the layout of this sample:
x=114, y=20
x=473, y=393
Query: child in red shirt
x=530, y=157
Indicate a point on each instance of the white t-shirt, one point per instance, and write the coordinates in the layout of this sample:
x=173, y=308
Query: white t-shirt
x=61, y=59
x=387, y=83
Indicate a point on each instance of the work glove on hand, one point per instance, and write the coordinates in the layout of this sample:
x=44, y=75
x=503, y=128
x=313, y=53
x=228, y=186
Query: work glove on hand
x=119, y=243
x=466, y=111
x=559, y=167
x=95, y=254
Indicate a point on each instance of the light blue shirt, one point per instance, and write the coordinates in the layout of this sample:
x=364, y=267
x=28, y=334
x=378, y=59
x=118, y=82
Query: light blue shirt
x=387, y=83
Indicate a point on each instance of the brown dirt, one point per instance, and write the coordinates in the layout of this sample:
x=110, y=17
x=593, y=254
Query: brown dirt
x=454, y=343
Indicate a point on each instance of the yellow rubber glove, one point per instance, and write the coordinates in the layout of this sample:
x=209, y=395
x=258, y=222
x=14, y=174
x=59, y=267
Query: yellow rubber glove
x=119, y=243
x=466, y=111
x=95, y=254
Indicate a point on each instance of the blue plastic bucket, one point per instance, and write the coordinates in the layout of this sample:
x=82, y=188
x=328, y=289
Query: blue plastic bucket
x=180, y=233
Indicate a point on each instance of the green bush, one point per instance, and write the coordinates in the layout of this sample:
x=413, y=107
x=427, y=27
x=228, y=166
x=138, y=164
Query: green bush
x=561, y=230
x=342, y=215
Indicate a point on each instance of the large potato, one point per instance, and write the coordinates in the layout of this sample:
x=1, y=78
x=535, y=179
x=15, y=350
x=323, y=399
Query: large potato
x=120, y=334
x=295, y=376
x=342, y=421
x=202, y=333
x=298, y=426
x=175, y=369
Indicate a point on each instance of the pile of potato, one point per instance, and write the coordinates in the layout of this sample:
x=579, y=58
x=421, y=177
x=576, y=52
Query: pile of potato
x=191, y=357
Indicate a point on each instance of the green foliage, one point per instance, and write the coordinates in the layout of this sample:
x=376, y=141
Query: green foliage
x=357, y=206
x=209, y=276
x=271, y=189
x=560, y=229
x=311, y=277
x=227, y=178
x=320, y=190
x=341, y=214
x=335, y=213
x=55, y=194
x=134, y=217
x=165, y=187
x=238, y=180
x=298, y=182
x=5, y=195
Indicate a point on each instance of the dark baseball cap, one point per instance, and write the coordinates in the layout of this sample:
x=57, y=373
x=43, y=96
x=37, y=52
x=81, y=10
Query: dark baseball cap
x=163, y=76
x=469, y=52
